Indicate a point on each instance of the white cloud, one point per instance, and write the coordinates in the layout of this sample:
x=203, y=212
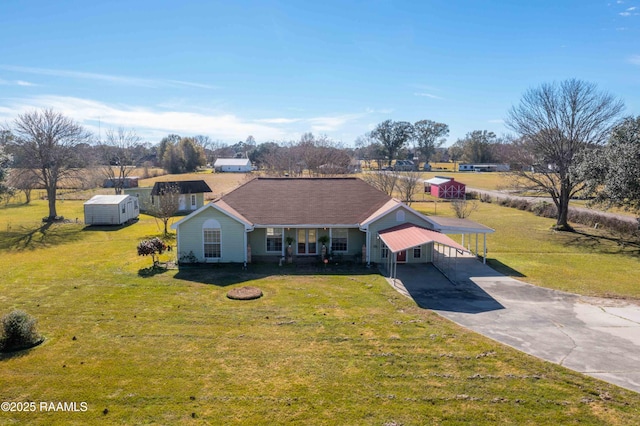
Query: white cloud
x=384, y=111
x=634, y=59
x=153, y=124
x=330, y=124
x=278, y=120
x=16, y=83
x=629, y=11
x=114, y=79
x=427, y=95
x=148, y=123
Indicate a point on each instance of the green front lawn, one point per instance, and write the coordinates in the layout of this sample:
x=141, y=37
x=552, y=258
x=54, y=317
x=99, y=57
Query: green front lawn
x=329, y=348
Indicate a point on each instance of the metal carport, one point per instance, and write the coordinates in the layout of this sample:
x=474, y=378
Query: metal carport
x=408, y=235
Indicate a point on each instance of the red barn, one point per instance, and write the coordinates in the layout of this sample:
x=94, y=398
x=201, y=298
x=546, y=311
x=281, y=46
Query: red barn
x=445, y=187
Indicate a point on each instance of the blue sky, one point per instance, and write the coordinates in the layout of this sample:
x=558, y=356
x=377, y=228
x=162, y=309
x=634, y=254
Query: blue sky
x=277, y=69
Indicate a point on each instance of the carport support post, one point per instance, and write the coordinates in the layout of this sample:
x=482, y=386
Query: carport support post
x=484, y=254
x=476, y=243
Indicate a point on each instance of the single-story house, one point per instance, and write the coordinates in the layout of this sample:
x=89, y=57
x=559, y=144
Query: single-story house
x=445, y=187
x=405, y=166
x=483, y=167
x=110, y=210
x=190, y=194
x=232, y=165
x=269, y=219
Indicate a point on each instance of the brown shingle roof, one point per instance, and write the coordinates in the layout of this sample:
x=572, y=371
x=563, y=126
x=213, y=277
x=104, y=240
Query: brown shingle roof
x=301, y=201
x=185, y=187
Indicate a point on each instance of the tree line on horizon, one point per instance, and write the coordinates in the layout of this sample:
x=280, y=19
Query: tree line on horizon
x=570, y=139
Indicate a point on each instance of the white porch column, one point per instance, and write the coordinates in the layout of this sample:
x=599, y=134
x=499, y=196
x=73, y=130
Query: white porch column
x=476, y=243
x=330, y=240
x=246, y=254
x=368, y=240
x=284, y=247
x=484, y=254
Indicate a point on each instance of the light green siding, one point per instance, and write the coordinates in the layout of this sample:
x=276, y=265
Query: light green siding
x=258, y=242
x=143, y=194
x=355, y=241
x=393, y=219
x=232, y=234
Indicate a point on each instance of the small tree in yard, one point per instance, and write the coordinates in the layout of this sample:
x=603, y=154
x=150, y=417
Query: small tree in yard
x=166, y=204
x=118, y=156
x=18, y=332
x=25, y=181
x=464, y=208
x=408, y=185
x=153, y=247
x=383, y=181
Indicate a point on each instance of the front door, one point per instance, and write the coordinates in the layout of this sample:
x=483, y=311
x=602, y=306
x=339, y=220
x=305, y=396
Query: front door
x=401, y=256
x=307, y=241
x=182, y=202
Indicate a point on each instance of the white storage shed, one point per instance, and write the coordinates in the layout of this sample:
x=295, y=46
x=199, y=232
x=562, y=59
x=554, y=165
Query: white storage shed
x=110, y=210
x=232, y=165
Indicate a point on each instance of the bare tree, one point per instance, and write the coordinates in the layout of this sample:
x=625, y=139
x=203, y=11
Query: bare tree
x=408, y=184
x=557, y=122
x=117, y=156
x=24, y=180
x=386, y=182
x=46, y=143
x=464, y=208
x=165, y=204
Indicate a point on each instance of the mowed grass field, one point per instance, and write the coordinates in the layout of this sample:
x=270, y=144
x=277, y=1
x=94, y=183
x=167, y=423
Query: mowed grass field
x=588, y=262
x=327, y=347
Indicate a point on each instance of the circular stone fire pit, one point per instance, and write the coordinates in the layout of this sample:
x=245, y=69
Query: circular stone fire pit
x=244, y=293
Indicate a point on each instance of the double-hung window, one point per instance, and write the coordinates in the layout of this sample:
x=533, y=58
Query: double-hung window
x=212, y=247
x=274, y=240
x=339, y=237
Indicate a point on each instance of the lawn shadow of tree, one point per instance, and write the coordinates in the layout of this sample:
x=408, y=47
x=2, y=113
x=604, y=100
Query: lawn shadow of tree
x=152, y=271
x=45, y=235
x=602, y=243
x=223, y=275
x=19, y=353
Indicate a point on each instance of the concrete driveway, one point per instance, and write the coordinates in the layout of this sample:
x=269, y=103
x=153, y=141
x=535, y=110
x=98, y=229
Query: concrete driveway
x=597, y=337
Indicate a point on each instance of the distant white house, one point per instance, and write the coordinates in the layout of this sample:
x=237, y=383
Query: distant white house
x=483, y=167
x=241, y=165
x=111, y=210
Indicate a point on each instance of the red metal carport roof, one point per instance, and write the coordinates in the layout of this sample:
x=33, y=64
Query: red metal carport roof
x=408, y=235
